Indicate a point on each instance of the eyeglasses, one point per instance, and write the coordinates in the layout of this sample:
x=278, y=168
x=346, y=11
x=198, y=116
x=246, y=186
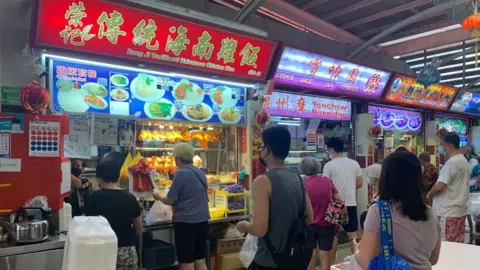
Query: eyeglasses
x=261, y=148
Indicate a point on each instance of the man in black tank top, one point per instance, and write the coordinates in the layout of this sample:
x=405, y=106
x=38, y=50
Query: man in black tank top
x=277, y=197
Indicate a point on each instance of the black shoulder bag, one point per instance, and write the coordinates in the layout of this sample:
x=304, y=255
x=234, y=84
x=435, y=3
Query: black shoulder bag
x=298, y=251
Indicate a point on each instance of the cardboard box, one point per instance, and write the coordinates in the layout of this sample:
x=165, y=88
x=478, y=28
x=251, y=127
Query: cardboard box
x=230, y=261
x=224, y=246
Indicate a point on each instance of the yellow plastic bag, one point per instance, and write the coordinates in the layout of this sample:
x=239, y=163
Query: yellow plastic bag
x=136, y=159
x=124, y=169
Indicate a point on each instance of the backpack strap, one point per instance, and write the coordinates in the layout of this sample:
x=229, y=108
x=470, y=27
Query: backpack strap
x=386, y=230
x=301, y=215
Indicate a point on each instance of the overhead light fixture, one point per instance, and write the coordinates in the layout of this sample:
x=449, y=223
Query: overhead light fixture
x=289, y=123
x=425, y=34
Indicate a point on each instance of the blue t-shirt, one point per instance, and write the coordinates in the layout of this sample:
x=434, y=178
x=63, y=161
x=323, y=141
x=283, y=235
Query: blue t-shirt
x=190, y=196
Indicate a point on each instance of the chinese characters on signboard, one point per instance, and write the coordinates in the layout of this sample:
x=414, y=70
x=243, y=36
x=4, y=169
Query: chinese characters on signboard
x=405, y=90
x=394, y=119
x=289, y=105
x=309, y=70
x=466, y=102
x=112, y=29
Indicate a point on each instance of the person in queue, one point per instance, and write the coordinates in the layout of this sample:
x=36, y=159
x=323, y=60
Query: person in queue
x=373, y=179
x=474, y=167
x=416, y=236
x=277, y=198
x=430, y=172
x=347, y=177
x=469, y=152
x=81, y=187
x=450, y=193
x=320, y=190
x=122, y=211
x=188, y=196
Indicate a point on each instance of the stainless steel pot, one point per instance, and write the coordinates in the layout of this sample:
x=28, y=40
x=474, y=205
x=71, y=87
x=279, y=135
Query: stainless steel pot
x=29, y=230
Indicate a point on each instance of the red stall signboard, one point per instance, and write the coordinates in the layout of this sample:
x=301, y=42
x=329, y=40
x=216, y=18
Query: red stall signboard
x=120, y=30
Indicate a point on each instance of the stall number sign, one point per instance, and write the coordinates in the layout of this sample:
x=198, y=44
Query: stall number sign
x=115, y=29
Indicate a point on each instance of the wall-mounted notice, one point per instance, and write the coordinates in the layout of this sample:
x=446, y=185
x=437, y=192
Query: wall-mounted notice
x=44, y=139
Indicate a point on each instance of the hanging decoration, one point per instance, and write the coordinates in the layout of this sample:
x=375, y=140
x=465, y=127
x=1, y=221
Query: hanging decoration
x=375, y=131
x=262, y=119
x=34, y=97
x=472, y=24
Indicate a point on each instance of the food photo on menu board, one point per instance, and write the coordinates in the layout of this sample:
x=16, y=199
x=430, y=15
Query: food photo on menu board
x=394, y=119
x=405, y=90
x=452, y=124
x=466, y=102
x=79, y=88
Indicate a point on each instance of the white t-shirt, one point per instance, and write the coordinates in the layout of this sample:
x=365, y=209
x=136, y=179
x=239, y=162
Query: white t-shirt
x=453, y=201
x=343, y=172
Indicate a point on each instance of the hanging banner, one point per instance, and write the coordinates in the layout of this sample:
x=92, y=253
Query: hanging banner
x=309, y=70
x=428, y=75
x=125, y=30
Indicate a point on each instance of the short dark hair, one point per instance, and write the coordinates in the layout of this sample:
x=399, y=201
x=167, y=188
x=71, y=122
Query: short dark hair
x=401, y=149
x=336, y=144
x=278, y=140
x=452, y=138
x=424, y=156
x=108, y=171
x=401, y=184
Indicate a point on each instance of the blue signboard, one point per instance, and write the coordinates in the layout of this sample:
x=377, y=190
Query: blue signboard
x=79, y=88
x=466, y=102
x=428, y=75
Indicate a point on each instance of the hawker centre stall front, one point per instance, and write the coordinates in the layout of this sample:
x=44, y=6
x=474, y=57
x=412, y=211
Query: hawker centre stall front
x=138, y=81
x=433, y=100
x=301, y=71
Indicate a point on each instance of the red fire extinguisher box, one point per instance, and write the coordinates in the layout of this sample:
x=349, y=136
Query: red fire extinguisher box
x=36, y=172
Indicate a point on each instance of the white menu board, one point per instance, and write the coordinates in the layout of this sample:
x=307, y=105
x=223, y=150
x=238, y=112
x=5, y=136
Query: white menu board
x=44, y=139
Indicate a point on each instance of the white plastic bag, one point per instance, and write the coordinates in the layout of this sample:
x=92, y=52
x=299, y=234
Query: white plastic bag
x=159, y=212
x=232, y=233
x=249, y=250
x=37, y=201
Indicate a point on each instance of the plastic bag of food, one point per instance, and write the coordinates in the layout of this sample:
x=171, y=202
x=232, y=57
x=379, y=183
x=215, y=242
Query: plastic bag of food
x=232, y=232
x=159, y=212
x=249, y=249
x=37, y=201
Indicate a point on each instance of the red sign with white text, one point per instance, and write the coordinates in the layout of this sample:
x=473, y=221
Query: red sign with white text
x=101, y=27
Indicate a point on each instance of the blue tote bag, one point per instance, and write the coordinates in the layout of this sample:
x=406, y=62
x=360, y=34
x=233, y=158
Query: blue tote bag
x=387, y=259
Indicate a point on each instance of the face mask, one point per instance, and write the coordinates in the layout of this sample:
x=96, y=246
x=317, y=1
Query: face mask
x=369, y=181
x=441, y=150
x=262, y=159
x=76, y=172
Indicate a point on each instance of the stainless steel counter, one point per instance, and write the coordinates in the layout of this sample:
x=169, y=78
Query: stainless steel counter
x=54, y=242
x=47, y=255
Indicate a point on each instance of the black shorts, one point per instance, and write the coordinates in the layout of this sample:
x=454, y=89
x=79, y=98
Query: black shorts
x=352, y=225
x=324, y=236
x=190, y=241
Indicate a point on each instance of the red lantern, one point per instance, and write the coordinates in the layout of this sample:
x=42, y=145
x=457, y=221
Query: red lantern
x=472, y=24
x=262, y=119
x=375, y=131
x=34, y=97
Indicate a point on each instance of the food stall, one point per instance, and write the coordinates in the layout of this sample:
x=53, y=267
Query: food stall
x=310, y=120
x=398, y=128
x=304, y=72
x=404, y=90
x=137, y=81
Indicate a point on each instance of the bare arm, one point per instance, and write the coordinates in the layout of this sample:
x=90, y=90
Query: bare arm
x=309, y=210
x=137, y=222
x=437, y=189
x=436, y=253
x=359, y=182
x=76, y=182
x=261, y=200
x=370, y=249
x=336, y=196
